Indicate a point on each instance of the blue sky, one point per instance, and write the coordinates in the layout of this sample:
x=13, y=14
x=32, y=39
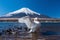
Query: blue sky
x=46, y=7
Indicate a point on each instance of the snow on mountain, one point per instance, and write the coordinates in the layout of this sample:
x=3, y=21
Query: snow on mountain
x=24, y=12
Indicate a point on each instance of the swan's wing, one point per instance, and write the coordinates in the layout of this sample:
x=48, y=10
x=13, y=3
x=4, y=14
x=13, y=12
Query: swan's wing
x=23, y=19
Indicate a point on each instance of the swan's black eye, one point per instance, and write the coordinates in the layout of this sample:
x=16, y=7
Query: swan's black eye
x=29, y=29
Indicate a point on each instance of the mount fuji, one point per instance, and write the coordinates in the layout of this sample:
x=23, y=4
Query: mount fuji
x=24, y=12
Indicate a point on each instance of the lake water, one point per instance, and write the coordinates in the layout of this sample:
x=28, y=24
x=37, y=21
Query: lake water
x=6, y=25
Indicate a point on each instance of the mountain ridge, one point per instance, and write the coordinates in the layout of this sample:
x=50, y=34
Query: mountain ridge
x=24, y=12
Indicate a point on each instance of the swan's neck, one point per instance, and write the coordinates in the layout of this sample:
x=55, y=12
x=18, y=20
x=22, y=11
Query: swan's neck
x=28, y=23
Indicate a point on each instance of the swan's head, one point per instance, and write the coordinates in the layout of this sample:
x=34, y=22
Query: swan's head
x=36, y=20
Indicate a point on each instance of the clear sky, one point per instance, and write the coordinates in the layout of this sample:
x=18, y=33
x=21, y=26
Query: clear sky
x=46, y=7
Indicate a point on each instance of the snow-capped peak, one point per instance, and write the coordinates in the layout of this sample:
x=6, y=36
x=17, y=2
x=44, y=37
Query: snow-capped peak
x=22, y=10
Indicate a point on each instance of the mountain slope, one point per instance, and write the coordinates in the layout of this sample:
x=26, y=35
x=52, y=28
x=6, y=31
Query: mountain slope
x=24, y=12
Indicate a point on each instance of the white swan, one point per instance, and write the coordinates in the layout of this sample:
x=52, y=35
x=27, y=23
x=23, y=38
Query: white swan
x=32, y=25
